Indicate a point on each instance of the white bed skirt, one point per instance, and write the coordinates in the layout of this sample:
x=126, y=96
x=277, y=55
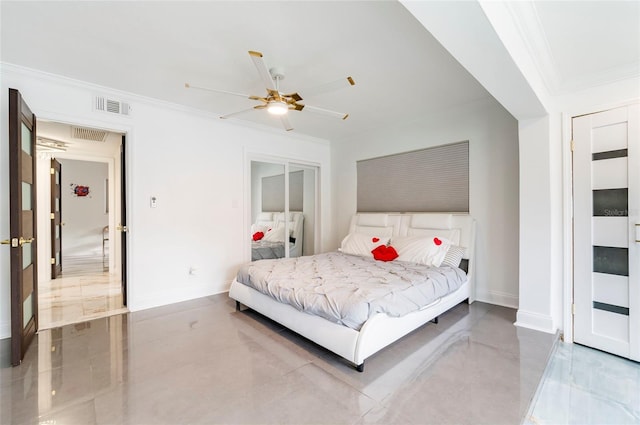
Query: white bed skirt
x=356, y=346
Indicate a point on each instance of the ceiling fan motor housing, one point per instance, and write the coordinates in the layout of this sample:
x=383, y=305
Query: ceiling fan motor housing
x=277, y=73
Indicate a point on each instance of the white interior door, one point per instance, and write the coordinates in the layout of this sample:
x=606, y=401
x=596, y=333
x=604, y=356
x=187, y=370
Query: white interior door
x=606, y=179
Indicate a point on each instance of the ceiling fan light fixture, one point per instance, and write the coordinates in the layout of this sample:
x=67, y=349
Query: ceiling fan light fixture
x=277, y=108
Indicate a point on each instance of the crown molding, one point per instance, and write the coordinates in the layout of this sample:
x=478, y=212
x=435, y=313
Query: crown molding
x=527, y=21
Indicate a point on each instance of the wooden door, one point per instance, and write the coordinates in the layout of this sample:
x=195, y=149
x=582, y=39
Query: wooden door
x=22, y=212
x=606, y=183
x=56, y=219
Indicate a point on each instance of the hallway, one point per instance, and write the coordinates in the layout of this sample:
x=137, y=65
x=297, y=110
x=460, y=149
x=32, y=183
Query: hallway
x=84, y=291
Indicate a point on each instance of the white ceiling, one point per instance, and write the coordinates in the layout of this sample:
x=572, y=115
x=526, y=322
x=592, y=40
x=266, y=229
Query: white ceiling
x=581, y=44
x=401, y=72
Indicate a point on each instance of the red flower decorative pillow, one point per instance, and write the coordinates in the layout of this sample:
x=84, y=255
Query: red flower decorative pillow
x=385, y=253
x=258, y=235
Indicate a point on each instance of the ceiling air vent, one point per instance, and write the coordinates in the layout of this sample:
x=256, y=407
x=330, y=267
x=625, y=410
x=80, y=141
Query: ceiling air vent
x=90, y=134
x=105, y=104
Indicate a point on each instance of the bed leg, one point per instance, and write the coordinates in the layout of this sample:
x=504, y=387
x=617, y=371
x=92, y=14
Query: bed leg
x=237, y=305
x=435, y=320
x=360, y=367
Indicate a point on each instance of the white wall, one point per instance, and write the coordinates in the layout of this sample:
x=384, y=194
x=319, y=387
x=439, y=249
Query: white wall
x=191, y=161
x=83, y=217
x=493, y=199
x=506, y=67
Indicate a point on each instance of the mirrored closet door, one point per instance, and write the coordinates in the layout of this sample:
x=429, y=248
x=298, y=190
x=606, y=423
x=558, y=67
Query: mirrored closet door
x=283, y=209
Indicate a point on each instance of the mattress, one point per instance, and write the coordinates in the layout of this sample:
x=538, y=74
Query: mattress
x=348, y=289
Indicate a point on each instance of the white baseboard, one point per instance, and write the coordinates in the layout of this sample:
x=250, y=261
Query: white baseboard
x=535, y=321
x=175, y=296
x=497, y=298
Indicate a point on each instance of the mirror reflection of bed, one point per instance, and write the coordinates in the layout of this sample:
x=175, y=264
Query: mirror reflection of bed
x=269, y=233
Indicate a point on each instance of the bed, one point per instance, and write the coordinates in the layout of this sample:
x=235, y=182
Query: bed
x=356, y=339
x=268, y=235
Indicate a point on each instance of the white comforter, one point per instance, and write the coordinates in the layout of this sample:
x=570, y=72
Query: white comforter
x=348, y=289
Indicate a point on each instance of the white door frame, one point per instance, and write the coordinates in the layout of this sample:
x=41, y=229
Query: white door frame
x=127, y=130
x=567, y=204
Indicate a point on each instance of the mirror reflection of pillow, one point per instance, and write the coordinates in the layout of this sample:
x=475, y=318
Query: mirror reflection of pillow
x=275, y=235
x=259, y=228
x=258, y=235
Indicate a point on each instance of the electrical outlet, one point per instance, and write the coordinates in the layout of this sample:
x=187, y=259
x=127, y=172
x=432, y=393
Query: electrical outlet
x=192, y=271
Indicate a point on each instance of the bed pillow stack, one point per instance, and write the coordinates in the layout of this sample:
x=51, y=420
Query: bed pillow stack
x=422, y=249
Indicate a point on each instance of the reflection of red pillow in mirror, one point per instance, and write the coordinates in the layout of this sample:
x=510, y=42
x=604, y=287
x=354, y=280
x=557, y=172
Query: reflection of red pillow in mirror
x=385, y=253
x=258, y=235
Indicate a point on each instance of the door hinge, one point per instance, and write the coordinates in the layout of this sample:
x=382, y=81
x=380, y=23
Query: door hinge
x=573, y=309
x=53, y=216
x=573, y=145
x=53, y=260
x=53, y=170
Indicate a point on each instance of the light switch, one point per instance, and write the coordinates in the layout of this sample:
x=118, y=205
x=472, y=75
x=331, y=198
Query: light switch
x=154, y=202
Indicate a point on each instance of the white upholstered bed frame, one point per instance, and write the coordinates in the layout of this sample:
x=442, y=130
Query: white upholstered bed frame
x=379, y=330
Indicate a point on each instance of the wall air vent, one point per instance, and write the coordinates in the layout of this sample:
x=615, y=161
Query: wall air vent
x=105, y=104
x=90, y=134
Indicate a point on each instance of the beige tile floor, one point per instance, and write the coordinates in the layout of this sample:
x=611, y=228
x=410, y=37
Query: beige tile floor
x=84, y=291
x=202, y=362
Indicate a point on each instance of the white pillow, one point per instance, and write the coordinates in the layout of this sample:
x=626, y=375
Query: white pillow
x=429, y=251
x=275, y=235
x=361, y=244
x=454, y=256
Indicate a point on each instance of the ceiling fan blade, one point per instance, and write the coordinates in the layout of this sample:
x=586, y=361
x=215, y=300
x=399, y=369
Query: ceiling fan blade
x=261, y=99
x=286, y=123
x=189, y=86
x=328, y=87
x=296, y=106
x=265, y=75
x=295, y=96
x=326, y=112
x=224, y=117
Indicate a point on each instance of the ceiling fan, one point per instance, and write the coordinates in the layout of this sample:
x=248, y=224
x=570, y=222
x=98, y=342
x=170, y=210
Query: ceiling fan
x=278, y=103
